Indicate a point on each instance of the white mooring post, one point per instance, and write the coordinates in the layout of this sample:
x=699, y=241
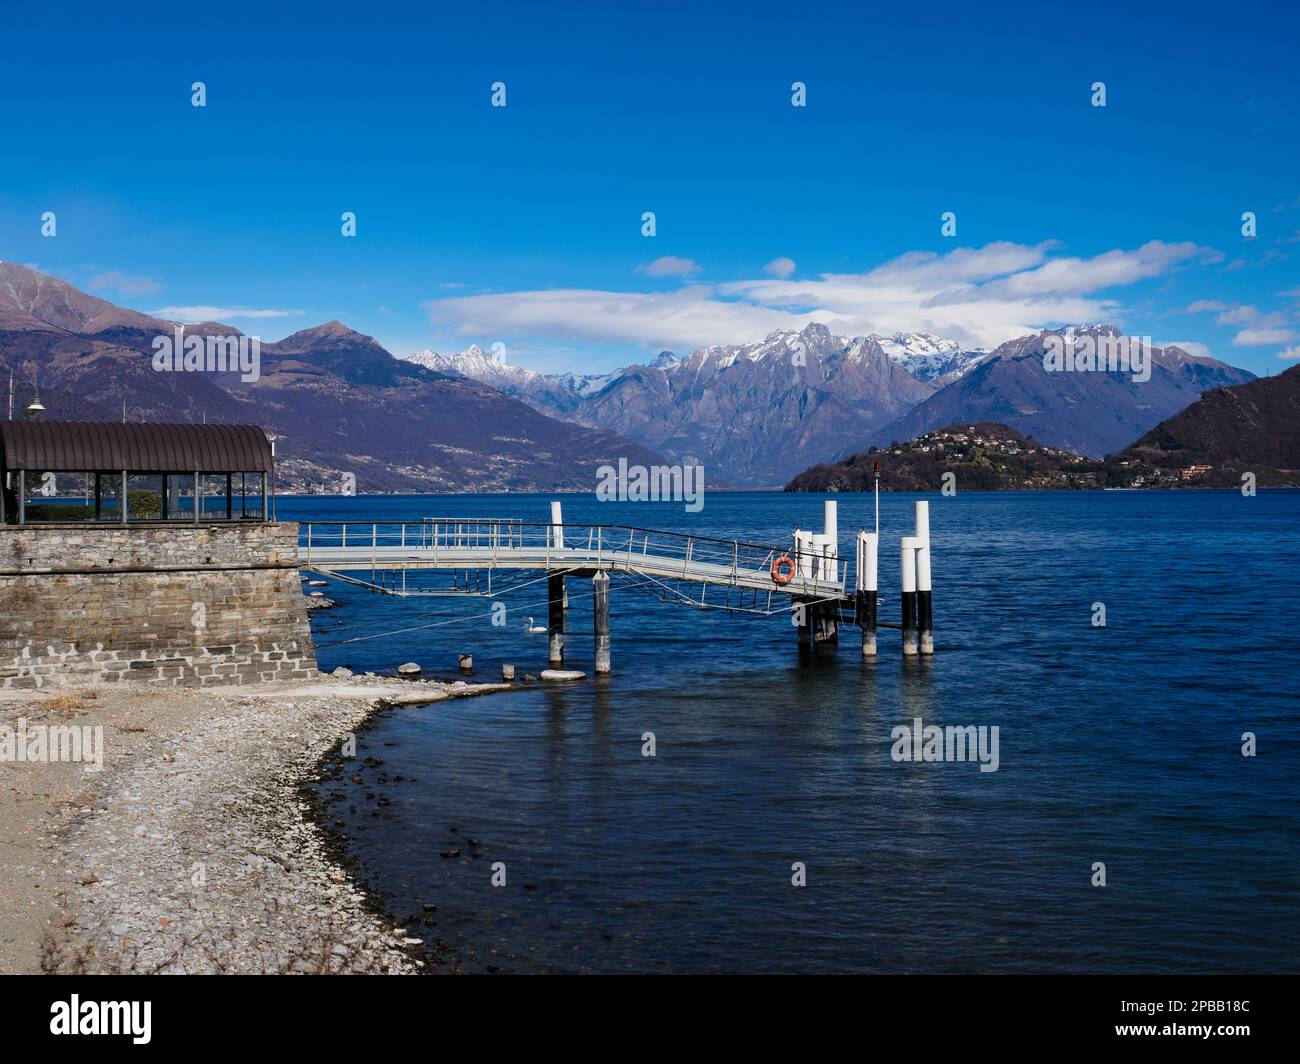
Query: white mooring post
x=864, y=601
x=803, y=554
x=831, y=524
x=907, y=574
x=924, y=620
x=557, y=526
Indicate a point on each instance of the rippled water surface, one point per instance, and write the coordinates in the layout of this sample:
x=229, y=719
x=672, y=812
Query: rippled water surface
x=1119, y=745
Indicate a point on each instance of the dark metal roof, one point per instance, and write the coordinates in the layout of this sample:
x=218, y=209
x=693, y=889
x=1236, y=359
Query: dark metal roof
x=89, y=446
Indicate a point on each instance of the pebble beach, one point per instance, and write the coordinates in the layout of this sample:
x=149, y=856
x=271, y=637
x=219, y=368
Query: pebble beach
x=193, y=849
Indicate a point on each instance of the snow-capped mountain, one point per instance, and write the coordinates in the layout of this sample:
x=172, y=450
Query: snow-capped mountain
x=755, y=412
x=1092, y=413
x=476, y=364
x=752, y=411
x=930, y=358
x=556, y=394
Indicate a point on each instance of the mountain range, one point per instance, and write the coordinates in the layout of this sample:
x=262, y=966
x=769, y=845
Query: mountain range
x=1090, y=413
x=756, y=414
x=339, y=400
x=753, y=414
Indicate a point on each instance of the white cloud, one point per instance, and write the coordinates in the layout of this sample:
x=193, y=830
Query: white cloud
x=126, y=283
x=782, y=267
x=1240, y=314
x=981, y=296
x=669, y=266
x=1263, y=337
x=219, y=313
x=689, y=317
x=1237, y=315
x=1290, y=354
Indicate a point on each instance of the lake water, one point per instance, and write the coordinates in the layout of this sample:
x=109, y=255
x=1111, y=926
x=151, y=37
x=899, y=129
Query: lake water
x=1119, y=745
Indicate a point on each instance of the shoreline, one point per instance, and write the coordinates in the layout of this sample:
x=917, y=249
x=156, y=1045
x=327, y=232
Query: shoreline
x=197, y=848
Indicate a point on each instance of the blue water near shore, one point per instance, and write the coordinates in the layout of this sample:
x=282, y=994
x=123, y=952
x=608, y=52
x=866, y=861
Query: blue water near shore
x=1119, y=745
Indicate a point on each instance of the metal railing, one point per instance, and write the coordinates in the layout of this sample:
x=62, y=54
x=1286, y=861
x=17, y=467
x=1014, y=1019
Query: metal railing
x=482, y=542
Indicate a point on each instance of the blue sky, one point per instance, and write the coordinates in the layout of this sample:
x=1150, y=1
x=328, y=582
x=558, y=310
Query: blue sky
x=522, y=224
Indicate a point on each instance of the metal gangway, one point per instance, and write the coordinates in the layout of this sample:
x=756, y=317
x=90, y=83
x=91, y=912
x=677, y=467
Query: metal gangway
x=806, y=578
x=340, y=547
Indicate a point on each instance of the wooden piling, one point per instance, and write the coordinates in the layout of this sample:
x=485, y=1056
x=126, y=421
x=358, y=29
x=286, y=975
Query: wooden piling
x=555, y=617
x=825, y=622
x=600, y=610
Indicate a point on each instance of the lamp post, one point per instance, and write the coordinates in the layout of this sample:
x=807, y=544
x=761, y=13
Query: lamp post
x=271, y=437
x=34, y=409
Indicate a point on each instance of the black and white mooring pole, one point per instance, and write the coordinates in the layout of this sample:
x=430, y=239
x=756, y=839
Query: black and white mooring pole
x=907, y=580
x=868, y=571
x=864, y=600
x=556, y=593
x=914, y=573
x=924, y=619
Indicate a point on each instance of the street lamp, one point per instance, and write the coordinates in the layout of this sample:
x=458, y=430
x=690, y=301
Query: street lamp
x=34, y=409
x=271, y=437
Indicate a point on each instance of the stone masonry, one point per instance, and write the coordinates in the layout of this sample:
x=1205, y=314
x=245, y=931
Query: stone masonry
x=189, y=606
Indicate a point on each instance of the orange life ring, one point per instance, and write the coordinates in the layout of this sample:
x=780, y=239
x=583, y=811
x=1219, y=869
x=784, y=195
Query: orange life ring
x=783, y=569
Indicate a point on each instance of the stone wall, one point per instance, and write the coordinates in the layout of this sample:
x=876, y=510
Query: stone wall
x=165, y=606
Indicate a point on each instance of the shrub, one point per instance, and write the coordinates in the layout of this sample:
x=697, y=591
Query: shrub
x=142, y=503
x=57, y=511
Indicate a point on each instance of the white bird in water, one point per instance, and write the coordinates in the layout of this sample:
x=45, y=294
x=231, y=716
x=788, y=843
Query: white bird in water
x=530, y=627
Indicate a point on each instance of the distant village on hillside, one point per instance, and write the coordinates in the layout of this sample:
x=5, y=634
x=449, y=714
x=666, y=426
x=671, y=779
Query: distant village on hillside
x=989, y=456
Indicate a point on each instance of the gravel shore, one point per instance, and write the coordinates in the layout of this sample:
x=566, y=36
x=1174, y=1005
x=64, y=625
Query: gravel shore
x=192, y=850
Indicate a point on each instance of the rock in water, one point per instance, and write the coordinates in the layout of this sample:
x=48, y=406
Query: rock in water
x=409, y=669
x=342, y=673
x=563, y=674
